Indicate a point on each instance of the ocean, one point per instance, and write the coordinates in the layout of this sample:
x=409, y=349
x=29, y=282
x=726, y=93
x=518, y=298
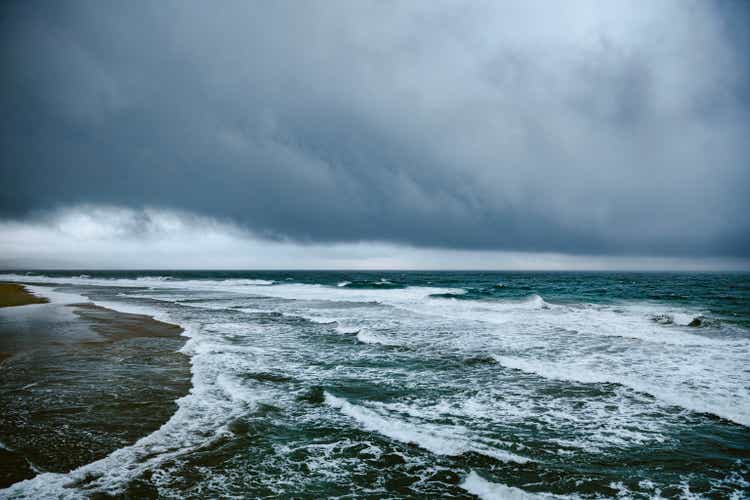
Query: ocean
x=318, y=384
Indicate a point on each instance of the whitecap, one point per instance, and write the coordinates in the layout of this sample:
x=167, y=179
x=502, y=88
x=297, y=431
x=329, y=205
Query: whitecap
x=369, y=337
x=714, y=397
x=347, y=330
x=438, y=439
x=486, y=490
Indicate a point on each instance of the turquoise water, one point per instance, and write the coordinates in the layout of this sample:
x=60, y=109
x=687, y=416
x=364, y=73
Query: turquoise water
x=425, y=384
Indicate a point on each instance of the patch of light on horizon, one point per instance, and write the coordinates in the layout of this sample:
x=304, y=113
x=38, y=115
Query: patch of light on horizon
x=90, y=237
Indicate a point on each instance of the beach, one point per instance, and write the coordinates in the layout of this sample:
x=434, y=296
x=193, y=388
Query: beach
x=13, y=294
x=78, y=381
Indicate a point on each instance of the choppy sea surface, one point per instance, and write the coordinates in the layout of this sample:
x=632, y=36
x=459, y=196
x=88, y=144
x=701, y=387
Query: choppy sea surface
x=432, y=384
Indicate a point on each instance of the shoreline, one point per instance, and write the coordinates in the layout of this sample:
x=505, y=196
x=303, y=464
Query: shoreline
x=16, y=294
x=108, y=377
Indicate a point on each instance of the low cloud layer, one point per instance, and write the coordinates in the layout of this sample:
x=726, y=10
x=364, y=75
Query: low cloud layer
x=89, y=237
x=590, y=128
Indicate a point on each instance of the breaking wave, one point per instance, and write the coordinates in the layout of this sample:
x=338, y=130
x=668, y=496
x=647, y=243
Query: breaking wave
x=718, y=398
x=486, y=490
x=442, y=440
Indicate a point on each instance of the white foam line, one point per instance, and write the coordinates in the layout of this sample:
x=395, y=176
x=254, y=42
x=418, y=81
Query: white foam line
x=253, y=287
x=557, y=371
x=636, y=324
x=486, y=490
x=347, y=330
x=438, y=440
x=56, y=297
x=368, y=337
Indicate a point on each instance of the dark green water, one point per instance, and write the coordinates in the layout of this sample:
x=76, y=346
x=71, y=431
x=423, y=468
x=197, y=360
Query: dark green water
x=324, y=384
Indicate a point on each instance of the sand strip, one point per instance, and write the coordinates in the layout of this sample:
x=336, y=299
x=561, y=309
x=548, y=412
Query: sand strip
x=13, y=294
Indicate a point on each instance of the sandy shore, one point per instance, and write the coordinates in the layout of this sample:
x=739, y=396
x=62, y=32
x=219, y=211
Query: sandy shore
x=13, y=294
x=114, y=326
x=79, y=381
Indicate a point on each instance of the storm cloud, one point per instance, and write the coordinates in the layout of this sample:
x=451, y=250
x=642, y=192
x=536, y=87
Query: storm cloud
x=609, y=128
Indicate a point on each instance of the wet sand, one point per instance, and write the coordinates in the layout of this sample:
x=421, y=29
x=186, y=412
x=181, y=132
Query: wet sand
x=79, y=381
x=13, y=294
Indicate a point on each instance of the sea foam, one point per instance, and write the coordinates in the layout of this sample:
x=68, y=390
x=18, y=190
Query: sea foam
x=439, y=439
x=486, y=490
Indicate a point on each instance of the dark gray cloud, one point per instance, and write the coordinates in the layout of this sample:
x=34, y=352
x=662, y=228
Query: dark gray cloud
x=609, y=128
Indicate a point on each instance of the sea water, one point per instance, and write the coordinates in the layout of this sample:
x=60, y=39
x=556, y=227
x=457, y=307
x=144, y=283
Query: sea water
x=429, y=384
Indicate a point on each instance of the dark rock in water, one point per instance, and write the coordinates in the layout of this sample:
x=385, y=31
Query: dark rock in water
x=696, y=322
x=499, y=285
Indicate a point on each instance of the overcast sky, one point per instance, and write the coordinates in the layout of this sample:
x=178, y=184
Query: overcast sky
x=576, y=134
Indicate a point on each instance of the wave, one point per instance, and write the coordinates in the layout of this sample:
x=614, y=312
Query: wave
x=536, y=301
x=347, y=330
x=369, y=337
x=533, y=301
x=725, y=402
x=314, y=319
x=628, y=321
x=382, y=284
x=486, y=490
x=383, y=292
x=534, y=315
x=663, y=319
x=438, y=439
x=138, y=281
x=683, y=319
x=252, y=282
x=235, y=390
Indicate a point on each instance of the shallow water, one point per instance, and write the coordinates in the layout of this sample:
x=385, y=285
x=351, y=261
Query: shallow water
x=320, y=384
x=82, y=382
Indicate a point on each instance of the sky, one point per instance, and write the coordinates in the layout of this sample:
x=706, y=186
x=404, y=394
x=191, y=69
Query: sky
x=386, y=134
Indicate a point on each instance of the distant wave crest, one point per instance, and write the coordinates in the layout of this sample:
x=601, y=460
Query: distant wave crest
x=380, y=284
